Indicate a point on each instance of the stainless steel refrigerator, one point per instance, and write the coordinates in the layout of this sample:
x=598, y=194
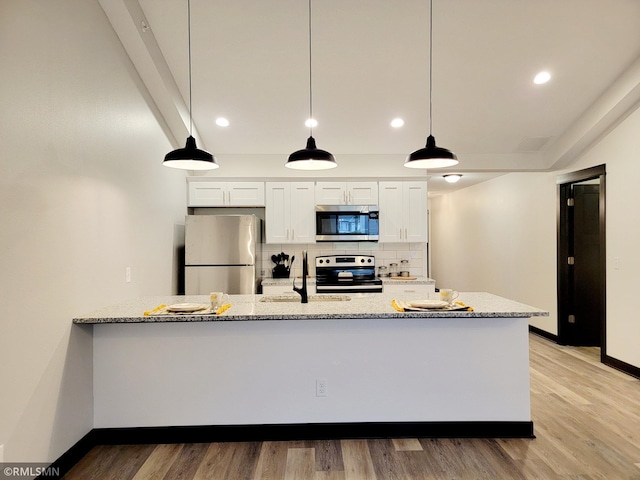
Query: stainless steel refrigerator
x=222, y=254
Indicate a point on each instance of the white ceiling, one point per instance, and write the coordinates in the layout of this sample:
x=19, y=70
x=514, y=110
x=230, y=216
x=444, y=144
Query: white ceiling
x=370, y=64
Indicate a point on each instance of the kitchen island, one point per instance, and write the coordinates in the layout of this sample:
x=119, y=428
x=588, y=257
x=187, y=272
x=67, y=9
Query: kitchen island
x=356, y=368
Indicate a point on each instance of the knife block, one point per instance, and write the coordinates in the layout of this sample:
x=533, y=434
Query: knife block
x=280, y=271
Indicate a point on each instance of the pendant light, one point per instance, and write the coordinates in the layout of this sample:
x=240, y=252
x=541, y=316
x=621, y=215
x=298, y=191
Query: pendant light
x=431, y=156
x=190, y=157
x=311, y=157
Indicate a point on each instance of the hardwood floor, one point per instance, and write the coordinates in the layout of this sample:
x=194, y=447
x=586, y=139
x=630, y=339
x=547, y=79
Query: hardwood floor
x=587, y=426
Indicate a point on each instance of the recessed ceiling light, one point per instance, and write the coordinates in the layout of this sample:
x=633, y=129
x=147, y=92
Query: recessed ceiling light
x=397, y=122
x=542, y=77
x=222, y=122
x=311, y=123
x=453, y=177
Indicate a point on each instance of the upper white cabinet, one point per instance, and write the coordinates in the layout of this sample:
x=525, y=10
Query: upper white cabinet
x=205, y=193
x=347, y=193
x=290, y=212
x=403, y=212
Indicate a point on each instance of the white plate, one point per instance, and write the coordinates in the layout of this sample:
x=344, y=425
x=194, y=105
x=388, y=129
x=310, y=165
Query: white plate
x=428, y=304
x=186, y=307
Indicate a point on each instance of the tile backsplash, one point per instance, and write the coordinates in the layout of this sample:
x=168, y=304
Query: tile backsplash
x=385, y=254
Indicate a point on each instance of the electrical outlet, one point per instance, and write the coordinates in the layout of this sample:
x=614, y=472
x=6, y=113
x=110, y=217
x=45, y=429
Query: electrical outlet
x=127, y=274
x=321, y=387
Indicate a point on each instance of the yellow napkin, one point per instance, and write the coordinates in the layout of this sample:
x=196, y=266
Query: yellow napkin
x=223, y=309
x=155, y=310
x=469, y=309
x=395, y=305
x=161, y=310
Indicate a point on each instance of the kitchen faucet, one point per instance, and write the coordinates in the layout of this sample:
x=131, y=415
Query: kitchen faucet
x=305, y=271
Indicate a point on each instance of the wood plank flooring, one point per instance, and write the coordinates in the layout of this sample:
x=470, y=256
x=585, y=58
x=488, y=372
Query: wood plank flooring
x=586, y=417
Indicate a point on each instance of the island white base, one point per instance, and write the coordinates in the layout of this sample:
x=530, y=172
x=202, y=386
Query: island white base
x=265, y=372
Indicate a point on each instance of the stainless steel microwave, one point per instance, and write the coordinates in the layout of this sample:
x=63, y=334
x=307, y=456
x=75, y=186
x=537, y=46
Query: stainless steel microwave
x=347, y=223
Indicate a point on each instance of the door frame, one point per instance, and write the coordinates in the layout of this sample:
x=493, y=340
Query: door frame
x=564, y=183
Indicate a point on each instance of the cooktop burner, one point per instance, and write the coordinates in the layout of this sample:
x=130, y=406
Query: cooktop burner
x=346, y=273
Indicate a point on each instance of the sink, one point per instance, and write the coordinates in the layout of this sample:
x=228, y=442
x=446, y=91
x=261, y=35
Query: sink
x=312, y=298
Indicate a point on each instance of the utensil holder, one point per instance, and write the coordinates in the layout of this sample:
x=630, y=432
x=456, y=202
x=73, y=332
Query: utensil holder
x=280, y=271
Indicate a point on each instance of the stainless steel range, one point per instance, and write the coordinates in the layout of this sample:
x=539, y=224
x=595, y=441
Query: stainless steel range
x=347, y=273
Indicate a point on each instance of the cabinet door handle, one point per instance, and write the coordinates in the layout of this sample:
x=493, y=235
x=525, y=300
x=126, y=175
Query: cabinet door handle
x=406, y=235
x=293, y=234
x=400, y=234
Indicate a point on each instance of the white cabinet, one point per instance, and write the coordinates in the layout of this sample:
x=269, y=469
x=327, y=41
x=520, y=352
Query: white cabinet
x=225, y=194
x=347, y=193
x=403, y=212
x=290, y=212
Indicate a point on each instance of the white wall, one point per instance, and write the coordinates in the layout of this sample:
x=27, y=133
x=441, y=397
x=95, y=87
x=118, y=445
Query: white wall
x=620, y=151
x=500, y=236
x=83, y=194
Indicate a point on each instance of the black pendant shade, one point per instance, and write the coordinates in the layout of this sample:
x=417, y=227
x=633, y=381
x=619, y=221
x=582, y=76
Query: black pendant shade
x=431, y=156
x=190, y=157
x=311, y=158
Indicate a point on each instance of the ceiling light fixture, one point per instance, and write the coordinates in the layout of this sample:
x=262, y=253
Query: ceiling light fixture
x=431, y=156
x=190, y=157
x=452, y=177
x=311, y=157
x=222, y=122
x=542, y=77
x=397, y=122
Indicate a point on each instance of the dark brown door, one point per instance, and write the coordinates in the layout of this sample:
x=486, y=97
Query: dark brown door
x=581, y=259
x=584, y=325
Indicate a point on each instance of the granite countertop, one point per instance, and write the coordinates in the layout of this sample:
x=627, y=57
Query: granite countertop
x=250, y=308
x=312, y=281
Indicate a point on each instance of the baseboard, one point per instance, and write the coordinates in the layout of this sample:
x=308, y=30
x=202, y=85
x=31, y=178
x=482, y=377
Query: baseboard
x=543, y=333
x=622, y=366
x=68, y=459
x=283, y=432
x=606, y=359
x=313, y=431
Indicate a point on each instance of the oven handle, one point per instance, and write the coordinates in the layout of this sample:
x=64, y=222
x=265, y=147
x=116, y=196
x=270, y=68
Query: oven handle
x=320, y=288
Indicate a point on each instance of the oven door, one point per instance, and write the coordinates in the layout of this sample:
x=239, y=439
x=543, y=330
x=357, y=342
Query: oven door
x=365, y=287
x=343, y=280
x=347, y=223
